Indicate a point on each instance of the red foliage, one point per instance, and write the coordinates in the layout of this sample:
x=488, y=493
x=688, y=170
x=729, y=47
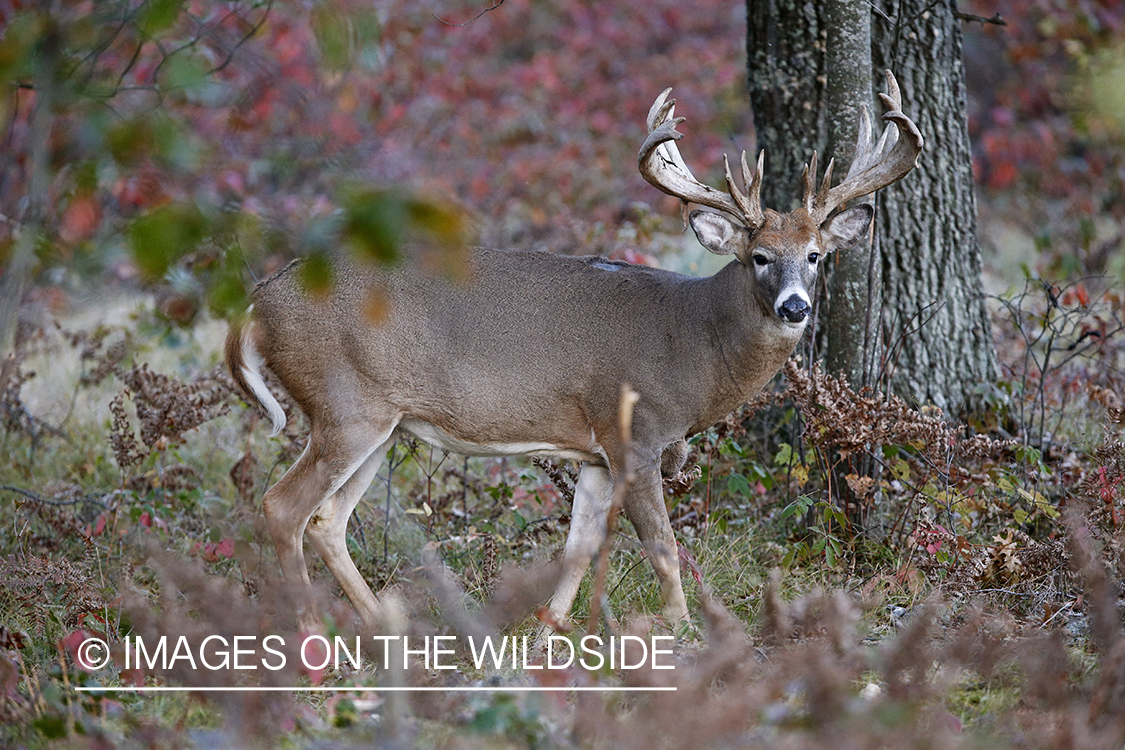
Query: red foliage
x=215, y=551
x=535, y=104
x=529, y=115
x=1033, y=115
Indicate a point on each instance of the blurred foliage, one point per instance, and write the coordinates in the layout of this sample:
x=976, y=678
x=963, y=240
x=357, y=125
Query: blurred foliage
x=1045, y=116
x=524, y=117
x=214, y=125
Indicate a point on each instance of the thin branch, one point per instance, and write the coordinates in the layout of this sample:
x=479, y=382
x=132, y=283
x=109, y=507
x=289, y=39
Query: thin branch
x=493, y=7
x=245, y=38
x=996, y=20
x=880, y=12
x=920, y=13
x=87, y=498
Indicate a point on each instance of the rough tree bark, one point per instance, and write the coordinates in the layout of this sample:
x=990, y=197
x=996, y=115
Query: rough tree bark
x=786, y=69
x=936, y=329
x=855, y=275
x=927, y=223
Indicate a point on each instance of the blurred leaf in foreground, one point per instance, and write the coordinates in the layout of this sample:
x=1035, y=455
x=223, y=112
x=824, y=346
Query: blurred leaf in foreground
x=159, y=238
x=316, y=275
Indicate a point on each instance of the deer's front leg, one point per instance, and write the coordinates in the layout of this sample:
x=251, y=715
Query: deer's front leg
x=592, y=497
x=644, y=505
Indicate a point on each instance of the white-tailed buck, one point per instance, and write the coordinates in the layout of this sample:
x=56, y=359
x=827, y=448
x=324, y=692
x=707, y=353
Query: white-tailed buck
x=528, y=356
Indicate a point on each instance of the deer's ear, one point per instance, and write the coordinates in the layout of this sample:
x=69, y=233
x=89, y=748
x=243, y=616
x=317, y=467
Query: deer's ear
x=846, y=228
x=716, y=232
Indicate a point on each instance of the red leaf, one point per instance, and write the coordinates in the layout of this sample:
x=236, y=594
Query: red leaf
x=1003, y=175
x=686, y=560
x=80, y=220
x=225, y=548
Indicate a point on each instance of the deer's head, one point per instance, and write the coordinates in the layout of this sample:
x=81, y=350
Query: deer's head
x=783, y=251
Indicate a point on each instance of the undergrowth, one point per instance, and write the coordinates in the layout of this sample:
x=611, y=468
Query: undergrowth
x=864, y=573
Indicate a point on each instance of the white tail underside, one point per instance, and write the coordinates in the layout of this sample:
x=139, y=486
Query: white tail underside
x=251, y=371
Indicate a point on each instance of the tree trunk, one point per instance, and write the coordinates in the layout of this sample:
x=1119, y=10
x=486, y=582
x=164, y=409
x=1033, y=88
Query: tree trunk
x=853, y=275
x=21, y=262
x=938, y=329
x=785, y=52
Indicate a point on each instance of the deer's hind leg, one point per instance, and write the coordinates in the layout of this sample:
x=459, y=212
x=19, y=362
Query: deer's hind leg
x=328, y=532
x=326, y=482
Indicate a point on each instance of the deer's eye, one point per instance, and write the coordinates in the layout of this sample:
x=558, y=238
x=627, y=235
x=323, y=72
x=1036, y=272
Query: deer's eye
x=814, y=257
x=761, y=260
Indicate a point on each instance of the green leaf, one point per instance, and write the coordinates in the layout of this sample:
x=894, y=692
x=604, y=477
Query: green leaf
x=731, y=447
x=227, y=295
x=832, y=513
x=789, y=510
x=53, y=726
x=316, y=275
x=1041, y=503
x=800, y=505
x=784, y=455
x=130, y=142
x=374, y=221
x=159, y=238
x=738, y=485
x=158, y=15
x=185, y=71
x=17, y=44
x=334, y=37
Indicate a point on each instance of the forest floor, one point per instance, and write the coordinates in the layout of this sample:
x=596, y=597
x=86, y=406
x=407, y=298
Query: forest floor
x=970, y=596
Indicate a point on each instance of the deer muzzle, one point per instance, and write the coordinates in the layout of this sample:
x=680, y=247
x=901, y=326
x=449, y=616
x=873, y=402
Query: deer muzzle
x=794, y=309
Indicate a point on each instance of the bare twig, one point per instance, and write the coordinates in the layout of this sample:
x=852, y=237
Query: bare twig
x=879, y=11
x=996, y=20
x=493, y=7
x=245, y=38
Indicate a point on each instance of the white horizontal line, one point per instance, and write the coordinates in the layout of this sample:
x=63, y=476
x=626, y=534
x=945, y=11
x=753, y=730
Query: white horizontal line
x=358, y=689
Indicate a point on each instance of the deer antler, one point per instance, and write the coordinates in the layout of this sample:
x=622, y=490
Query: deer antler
x=875, y=165
x=661, y=164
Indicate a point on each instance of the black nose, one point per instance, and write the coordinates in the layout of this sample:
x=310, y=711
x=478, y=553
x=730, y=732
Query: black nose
x=794, y=309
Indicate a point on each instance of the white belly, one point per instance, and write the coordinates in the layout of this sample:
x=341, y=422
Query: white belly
x=440, y=439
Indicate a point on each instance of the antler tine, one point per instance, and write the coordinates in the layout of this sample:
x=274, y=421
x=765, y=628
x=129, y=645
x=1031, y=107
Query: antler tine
x=753, y=180
x=753, y=183
x=808, y=179
x=826, y=183
x=749, y=205
x=662, y=166
x=656, y=115
x=874, y=166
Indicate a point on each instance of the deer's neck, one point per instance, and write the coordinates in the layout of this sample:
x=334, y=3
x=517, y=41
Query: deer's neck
x=749, y=345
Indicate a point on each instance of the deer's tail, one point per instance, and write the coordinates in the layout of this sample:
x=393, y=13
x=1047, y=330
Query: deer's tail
x=245, y=365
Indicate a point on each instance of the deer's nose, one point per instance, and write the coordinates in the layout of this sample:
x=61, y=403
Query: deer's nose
x=795, y=309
